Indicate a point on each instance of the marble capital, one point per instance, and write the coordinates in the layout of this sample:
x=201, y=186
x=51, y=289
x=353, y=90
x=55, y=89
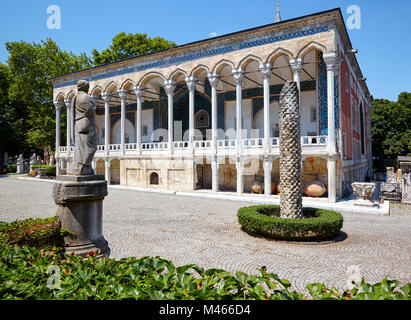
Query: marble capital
x=139, y=91
x=214, y=79
x=238, y=75
x=296, y=65
x=106, y=97
x=191, y=83
x=123, y=93
x=265, y=70
x=169, y=86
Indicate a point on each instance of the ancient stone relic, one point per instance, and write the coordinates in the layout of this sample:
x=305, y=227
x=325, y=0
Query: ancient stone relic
x=290, y=152
x=85, y=134
x=406, y=181
x=257, y=189
x=79, y=196
x=315, y=189
x=364, y=192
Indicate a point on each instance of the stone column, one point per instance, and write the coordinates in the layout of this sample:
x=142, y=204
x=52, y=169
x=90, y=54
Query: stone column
x=106, y=98
x=123, y=96
x=238, y=76
x=214, y=172
x=240, y=172
x=191, y=85
x=67, y=102
x=58, y=109
x=169, y=87
x=332, y=182
x=107, y=172
x=266, y=72
x=139, y=93
x=214, y=78
x=268, y=165
x=330, y=60
x=297, y=66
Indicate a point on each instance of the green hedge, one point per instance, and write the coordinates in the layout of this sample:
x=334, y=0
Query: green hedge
x=51, y=169
x=265, y=221
x=12, y=168
x=26, y=273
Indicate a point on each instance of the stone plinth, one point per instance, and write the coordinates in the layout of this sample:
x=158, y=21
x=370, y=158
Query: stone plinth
x=364, y=192
x=79, y=201
x=406, y=181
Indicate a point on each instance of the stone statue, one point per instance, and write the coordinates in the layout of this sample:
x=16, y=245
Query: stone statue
x=85, y=135
x=20, y=164
x=290, y=152
x=406, y=181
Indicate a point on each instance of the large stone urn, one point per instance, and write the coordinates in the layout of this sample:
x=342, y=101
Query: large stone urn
x=364, y=192
x=315, y=189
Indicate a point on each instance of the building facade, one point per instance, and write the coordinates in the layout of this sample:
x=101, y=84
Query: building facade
x=205, y=115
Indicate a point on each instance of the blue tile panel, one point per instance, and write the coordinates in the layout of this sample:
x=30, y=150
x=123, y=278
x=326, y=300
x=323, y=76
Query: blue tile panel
x=199, y=55
x=322, y=95
x=336, y=112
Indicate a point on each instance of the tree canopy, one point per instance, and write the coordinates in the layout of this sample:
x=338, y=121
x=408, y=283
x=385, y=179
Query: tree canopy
x=30, y=92
x=127, y=45
x=27, y=113
x=391, y=128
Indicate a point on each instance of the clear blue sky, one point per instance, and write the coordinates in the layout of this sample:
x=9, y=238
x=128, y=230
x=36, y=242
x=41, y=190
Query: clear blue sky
x=383, y=40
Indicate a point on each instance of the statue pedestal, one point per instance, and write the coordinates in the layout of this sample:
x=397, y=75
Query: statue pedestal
x=79, y=201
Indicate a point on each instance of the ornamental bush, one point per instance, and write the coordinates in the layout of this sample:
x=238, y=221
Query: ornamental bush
x=25, y=273
x=12, y=168
x=265, y=221
x=51, y=169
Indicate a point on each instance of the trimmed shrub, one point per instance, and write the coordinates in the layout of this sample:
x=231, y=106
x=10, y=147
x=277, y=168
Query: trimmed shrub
x=265, y=221
x=51, y=169
x=12, y=168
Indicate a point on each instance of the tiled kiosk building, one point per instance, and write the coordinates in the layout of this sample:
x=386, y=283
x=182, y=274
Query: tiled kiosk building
x=205, y=115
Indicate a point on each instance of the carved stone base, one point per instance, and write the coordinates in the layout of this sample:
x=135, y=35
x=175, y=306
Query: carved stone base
x=79, y=201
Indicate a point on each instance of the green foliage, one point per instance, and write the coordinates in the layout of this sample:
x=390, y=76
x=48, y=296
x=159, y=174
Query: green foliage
x=32, y=232
x=391, y=128
x=31, y=66
x=51, y=169
x=12, y=168
x=24, y=273
x=127, y=45
x=265, y=221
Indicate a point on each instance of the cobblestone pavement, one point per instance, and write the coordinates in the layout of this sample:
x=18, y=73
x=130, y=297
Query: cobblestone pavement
x=205, y=232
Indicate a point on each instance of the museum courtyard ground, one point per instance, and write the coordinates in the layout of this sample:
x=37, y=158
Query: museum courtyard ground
x=202, y=231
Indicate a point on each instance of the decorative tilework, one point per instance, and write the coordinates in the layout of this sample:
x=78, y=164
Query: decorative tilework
x=336, y=112
x=198, y=55
x=322, y=95
x=283, y=37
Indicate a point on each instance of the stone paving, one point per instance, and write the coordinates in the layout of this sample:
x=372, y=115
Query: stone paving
x=205, y=232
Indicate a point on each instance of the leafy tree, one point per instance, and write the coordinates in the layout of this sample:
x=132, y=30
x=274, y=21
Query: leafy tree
x=32, y=65
x=391, y=128
x=128, y=45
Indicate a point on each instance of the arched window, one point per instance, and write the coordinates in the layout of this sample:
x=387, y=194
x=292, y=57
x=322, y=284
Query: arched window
x=154, y=178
